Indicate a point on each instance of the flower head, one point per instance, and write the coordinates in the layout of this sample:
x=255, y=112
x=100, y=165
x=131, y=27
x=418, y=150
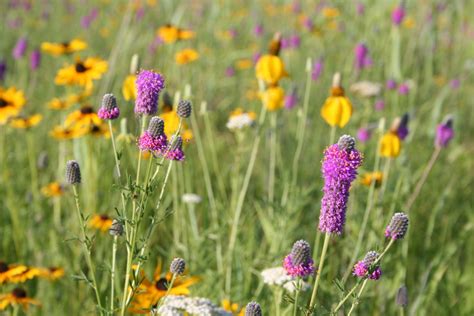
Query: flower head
x=273, y=98
x=73, y=172
x=361, y=56
x=339, y=168
x=186, y=56
x=398, y=226
x=82, y=72
x=402, y=126
x=317, y=69
x=270, y=69
x=17, y=296
x=253, y=309
x=390, y=145
x=299, y=262
x=178, y=265
x=109, y=109
x=11, y=103
x=26, y=122
x=184, y=109
x=175, y=151
x=101, y=222
x=291, y=99
x=402, y=296
x=363, y=134
x=365, y=268
x=116, y=229
x=444, y=133
x=398, y=14
x=371, y=177
x=57, y=49
x=20, y=48
x=337, y=109
x=154, y=138
x=35, y=59
x=149, y=85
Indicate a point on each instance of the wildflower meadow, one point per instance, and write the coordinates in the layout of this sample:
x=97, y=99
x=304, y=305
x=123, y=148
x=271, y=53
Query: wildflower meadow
x=211, y=157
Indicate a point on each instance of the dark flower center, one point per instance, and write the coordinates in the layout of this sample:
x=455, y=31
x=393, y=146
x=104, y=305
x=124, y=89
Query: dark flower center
x=102, y=217
x=65, y=44
x=19, y=293
x=80, y=67
x=162, y=284
x=3, y=267
x=87, y=110
x=3, y=103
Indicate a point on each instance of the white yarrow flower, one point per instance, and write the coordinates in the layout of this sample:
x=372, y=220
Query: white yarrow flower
x=279, y=277
x=239, y=121
x=191, y=198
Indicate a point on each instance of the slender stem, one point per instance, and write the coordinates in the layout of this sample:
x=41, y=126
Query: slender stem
x=332, y=138
x=112, y=275
x=272, y=165
x=386, y=173
x=356, y=300
x=312, y=302
x=339, y=305
x=278, y=297
x=86, y=246
x=33, y=169
x=168, y=291
x=297, y=294
x=117, y=162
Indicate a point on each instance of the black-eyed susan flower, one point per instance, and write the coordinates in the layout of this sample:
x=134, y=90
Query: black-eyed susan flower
x=26, y=122
x=170, y=34
x=186, y=56
x=28, y=274
x=273, y=98
x=52, y=273
x=150, y=292
x=390, y=145
x=65, y=133
x=57, y=49
x=82, y=72
x=101, y=129
x=337, y=109
x=7, y=271
x=101, y=222
x=17, y=297
x=66, y=102
x=54, y=189
x=85, y=116
x=234, y=308
x=129, y=89
x=370, y=177
x=11, y=102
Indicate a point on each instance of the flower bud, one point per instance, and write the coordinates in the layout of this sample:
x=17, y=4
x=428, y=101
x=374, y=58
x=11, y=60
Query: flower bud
x=177, y=266
x=253, y=309
x=73, y=172
x=184, y=108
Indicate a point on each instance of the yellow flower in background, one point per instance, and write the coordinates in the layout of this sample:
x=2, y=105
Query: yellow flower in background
x=186, y=56
x=409, y=22
x=270, y=69
x=187, y=135
x=101, y=222
x=337, y=109
x=245, y=63
x=11, y=103
x=7, y=271
x=26, y=122
x=273, y=98
x=54, y=189
x=232, y=307
x=390, y=145
x=85, y=116
x=28, y=274
x=330, y=12
x=52, y=273
x=66, y=133
x=57, y=49
x=239, y=111
x=370, y=177
x=82, y=73
x=129, y=90
x=171, y=119
x=170, y=34
x=98, y=130
x=17, y=297
x=69, y=100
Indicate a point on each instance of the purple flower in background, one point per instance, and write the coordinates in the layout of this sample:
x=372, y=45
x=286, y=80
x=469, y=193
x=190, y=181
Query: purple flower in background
x=108, y=109
x=291, y=99
x=3, y=69
x=365, y=269
x=154, y=45
x=295, y=41
x=444, y=133
x=339, y=168
x=317, y=69
x=362, y=59
x=403, y=88
x=88, y=19
x=308, y=24
x=455, y=83
x=256, y=57
x=391, y=84
x=296, y=7
x=398, y=226
x=14, y=23
x=398, y=14
x=258, y=30
x=360, y=8
x=20, y=48
x=285, y=43
x=379, y=105
x=233, y=33
x=175, y=151
x=35, y=59
x=402, y=129
x=230, y=71
x=149, y=85
x=363, y=134
x=299, y=262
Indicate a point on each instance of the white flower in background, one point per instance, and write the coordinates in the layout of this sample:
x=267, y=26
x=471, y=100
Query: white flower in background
x=239, y=119
x=177, y=305
x=279, y=277
x=366, y=88
x=191, y=198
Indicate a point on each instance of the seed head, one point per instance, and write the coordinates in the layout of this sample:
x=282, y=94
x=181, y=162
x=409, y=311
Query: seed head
x=156, y=126
x=253, y=309
x=176, y=143
x=109, y=101
x=398, y=226
x=370, y=258
x=346, y=142
x=177, y=266
x=117, y=228
x=402, y=296
x=73, y=172
x=184, y=108
x=301, y=252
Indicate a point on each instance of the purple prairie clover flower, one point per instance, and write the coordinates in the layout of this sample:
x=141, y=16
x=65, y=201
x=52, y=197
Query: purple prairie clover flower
x=3, y=69
x=291, y=99
x=149, y=85
x=339, y=168
x=398, y=14
x=285, y=43
x=20, y=48
x=87, y=20
x=140, y=14
x=455, y=83
x=363, y=134
x=35, y=59
x=230, y=71
x=391, y=84
x=295, y=41
x=360, y=8
x=258, y=30
x=444, y=133
x=362, y=59
x=299, y=262
x=317, y=69
x=379, y=105
x=403, y=88
x=253, y=309
x=365, y=269
x=308, y=24
x=175, y=151
x=154, y=138
x=109, y=109
x=402, y=128
x=398, y=226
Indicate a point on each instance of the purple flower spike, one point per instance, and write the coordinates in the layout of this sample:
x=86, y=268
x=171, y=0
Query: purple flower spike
x=339, y=168
x=444, y=133
x=35, y=59
x=364, y=268
x=149, y=85
x=398, y=14
x=362, y=59
x=291, y=100
x=154, y=138
x=258, y=30
x=363, y=134
x=20, y=48
x=176, y=150
x=317, y=70
x=379, y=105
x=360, y=8
x=402, y=130
x=299, y=262
x=398, y=226
x=391, y=84
x=109, y=109
x=403, y=88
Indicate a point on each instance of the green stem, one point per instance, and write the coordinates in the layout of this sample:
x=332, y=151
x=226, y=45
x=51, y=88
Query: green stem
x=297, y=294
x=117, y=162
x=272, y=165
x=312, y=302
x=332, y=138
x=356, y=300
x=339, y=305
x=112, y=275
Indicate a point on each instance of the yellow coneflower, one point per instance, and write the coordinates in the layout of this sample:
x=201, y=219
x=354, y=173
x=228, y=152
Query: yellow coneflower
x=57, y=49
x=28, y=274
x=129, y=90
x=7, y=271
x=337, y=109
x=82, y=73
x=234, y=308
x=150, y=292
x=273, y=98
x=65, y=133
x=26, y=122
x=270, y=68
x=52, y=273
x=390, y=145
x=17, y=297
x=53, y=189
x=370, y=177
x=170, y=34
x=101, y=222
x=11, y=103
x=186, y=56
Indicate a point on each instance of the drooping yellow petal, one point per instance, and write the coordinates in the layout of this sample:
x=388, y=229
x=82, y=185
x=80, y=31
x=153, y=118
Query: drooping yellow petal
x=270, y=69
x=273, y=98
x=337, y=111
x=129, y=89
x=390, y=145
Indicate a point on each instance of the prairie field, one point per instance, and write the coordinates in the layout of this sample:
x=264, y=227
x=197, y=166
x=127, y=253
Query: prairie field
x=251, y=158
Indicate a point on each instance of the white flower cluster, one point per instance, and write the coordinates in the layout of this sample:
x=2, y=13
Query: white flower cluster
x=191, y=198
x=239, y=121
x=178, y=305
x=278, y=276
x=366, y=89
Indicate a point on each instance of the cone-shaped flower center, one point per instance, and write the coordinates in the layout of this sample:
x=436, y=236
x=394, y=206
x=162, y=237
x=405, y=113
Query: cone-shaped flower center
x=19, y=293
x=162, y=284
x=80, y=67
x=3, y=267
x=3, y=103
